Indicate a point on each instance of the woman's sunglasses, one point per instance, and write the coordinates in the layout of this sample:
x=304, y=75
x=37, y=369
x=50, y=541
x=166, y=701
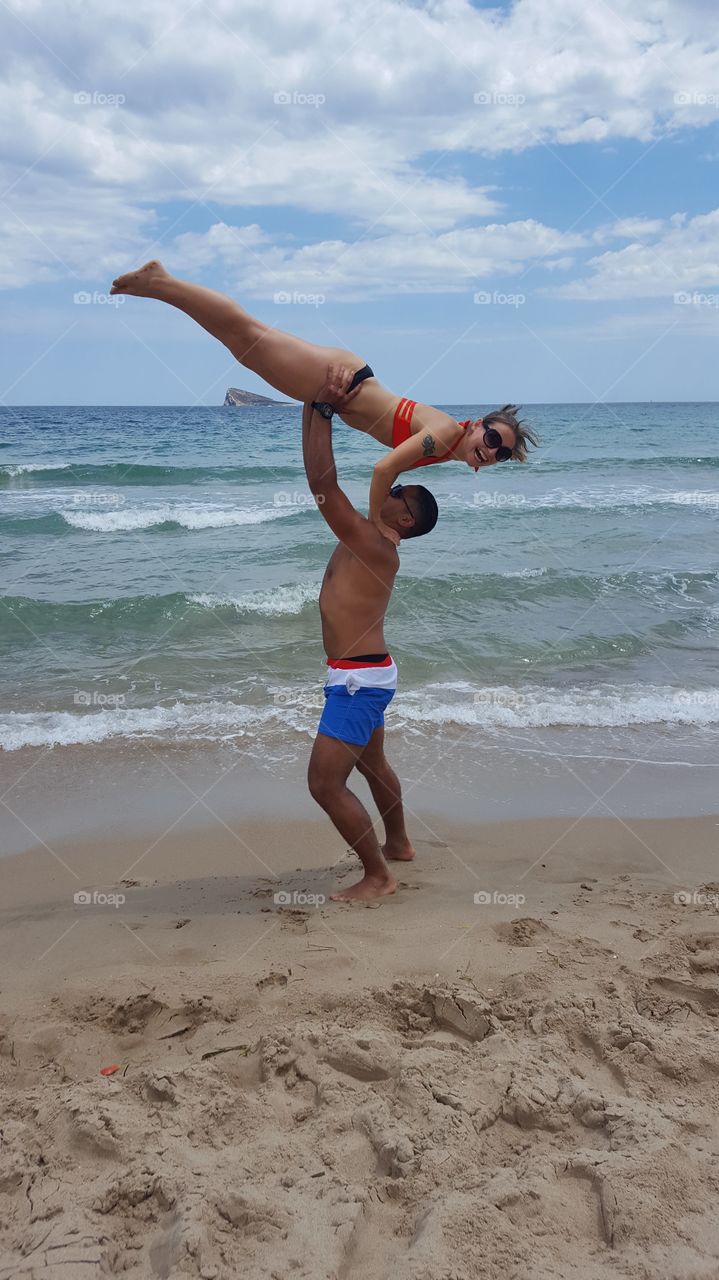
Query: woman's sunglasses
x=493, y=440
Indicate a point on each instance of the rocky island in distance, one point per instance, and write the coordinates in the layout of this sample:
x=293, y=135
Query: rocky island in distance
x=234, y=396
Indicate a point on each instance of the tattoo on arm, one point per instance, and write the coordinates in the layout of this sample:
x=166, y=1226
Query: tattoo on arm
x=428, y=446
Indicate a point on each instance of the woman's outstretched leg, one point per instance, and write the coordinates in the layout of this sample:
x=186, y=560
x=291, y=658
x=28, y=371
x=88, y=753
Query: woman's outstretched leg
x=292, y=366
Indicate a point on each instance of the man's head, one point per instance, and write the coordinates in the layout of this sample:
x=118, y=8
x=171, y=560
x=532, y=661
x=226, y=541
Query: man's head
x=497, y=437
x=410, y=510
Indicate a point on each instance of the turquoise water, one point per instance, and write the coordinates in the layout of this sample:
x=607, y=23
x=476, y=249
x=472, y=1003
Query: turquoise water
x=160, y=573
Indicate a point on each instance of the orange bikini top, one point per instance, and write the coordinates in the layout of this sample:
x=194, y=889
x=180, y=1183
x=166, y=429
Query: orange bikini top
x=402, y=430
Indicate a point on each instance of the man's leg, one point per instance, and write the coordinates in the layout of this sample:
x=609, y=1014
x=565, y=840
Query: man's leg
x=330, y=765
x=387, y=795
x=292, y=366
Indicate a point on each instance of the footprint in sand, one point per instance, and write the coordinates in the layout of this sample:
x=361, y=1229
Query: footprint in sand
x=295, y=921
x=699, y=999
x=272, y=979
x=524, y=932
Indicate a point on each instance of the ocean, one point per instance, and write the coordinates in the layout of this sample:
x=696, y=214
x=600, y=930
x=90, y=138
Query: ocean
x=161, y=567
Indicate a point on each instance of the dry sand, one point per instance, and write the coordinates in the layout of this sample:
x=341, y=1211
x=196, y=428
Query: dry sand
x=427, y=1090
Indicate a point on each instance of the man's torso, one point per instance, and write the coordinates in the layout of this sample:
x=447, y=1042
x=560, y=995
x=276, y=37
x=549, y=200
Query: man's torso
x=353, y=602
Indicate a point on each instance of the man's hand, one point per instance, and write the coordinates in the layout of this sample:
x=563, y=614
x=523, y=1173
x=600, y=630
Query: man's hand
x=335, y=391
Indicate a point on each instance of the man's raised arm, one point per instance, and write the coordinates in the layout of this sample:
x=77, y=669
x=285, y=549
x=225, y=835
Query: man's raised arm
x=345, y=522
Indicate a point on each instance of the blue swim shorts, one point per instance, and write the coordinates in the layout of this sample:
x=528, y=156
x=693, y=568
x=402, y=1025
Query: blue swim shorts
x=356, y=694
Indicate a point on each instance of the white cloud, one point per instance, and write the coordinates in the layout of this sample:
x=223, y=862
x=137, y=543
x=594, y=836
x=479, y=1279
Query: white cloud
x=370, y=268
x=382, y=113
x=56, y=233
x=627, y=229
x=684, y=256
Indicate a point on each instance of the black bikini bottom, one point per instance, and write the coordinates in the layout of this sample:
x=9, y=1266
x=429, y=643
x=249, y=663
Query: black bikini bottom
x=361, y=374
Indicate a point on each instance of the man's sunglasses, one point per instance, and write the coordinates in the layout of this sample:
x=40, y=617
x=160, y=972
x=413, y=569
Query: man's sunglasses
x=397, y=491
x=493, y=440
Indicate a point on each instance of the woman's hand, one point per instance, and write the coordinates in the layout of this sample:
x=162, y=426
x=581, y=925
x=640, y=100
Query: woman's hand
x=335, y=391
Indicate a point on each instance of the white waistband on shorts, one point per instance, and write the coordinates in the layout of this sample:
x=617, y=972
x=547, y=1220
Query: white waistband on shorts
x=363, y=675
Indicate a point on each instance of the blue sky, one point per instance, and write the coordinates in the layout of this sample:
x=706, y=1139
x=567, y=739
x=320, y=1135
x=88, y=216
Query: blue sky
x=380, y=165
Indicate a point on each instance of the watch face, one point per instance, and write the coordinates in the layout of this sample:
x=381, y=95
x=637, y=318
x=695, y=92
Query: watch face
x=325, y=409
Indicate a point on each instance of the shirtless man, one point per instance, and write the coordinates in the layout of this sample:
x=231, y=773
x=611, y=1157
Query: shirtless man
x=417, y=434
x=362, y=677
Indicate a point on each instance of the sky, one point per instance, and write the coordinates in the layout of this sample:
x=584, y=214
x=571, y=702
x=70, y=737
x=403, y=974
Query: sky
x=515, y=202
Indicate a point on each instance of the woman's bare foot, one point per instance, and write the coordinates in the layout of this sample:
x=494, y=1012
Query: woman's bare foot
x=366, y=890
x=400, y=852
x=142, y=283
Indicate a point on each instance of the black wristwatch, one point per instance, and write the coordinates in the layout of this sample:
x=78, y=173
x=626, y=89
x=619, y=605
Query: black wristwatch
x=324, y=408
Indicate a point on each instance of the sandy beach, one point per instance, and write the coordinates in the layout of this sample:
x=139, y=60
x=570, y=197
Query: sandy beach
x=437, y=1088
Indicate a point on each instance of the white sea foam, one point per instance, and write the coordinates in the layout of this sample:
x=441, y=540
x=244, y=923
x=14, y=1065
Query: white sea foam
x=443, y=704
x=275, y=603
x=598, y=498
x=541, y=707
x=20, y=468
x=201, y=516
x=182, y=721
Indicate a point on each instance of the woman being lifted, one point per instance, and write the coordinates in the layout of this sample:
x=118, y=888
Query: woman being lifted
x=417, y=434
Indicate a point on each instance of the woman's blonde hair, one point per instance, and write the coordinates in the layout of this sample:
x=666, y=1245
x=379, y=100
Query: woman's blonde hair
x=525, y=436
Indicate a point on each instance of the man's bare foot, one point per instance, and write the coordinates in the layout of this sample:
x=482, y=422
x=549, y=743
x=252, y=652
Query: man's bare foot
x=366, y=890
x=401, y=852
x=142, y=283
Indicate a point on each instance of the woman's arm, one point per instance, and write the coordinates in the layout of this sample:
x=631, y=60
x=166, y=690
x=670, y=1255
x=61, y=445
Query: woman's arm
x=424, y=444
